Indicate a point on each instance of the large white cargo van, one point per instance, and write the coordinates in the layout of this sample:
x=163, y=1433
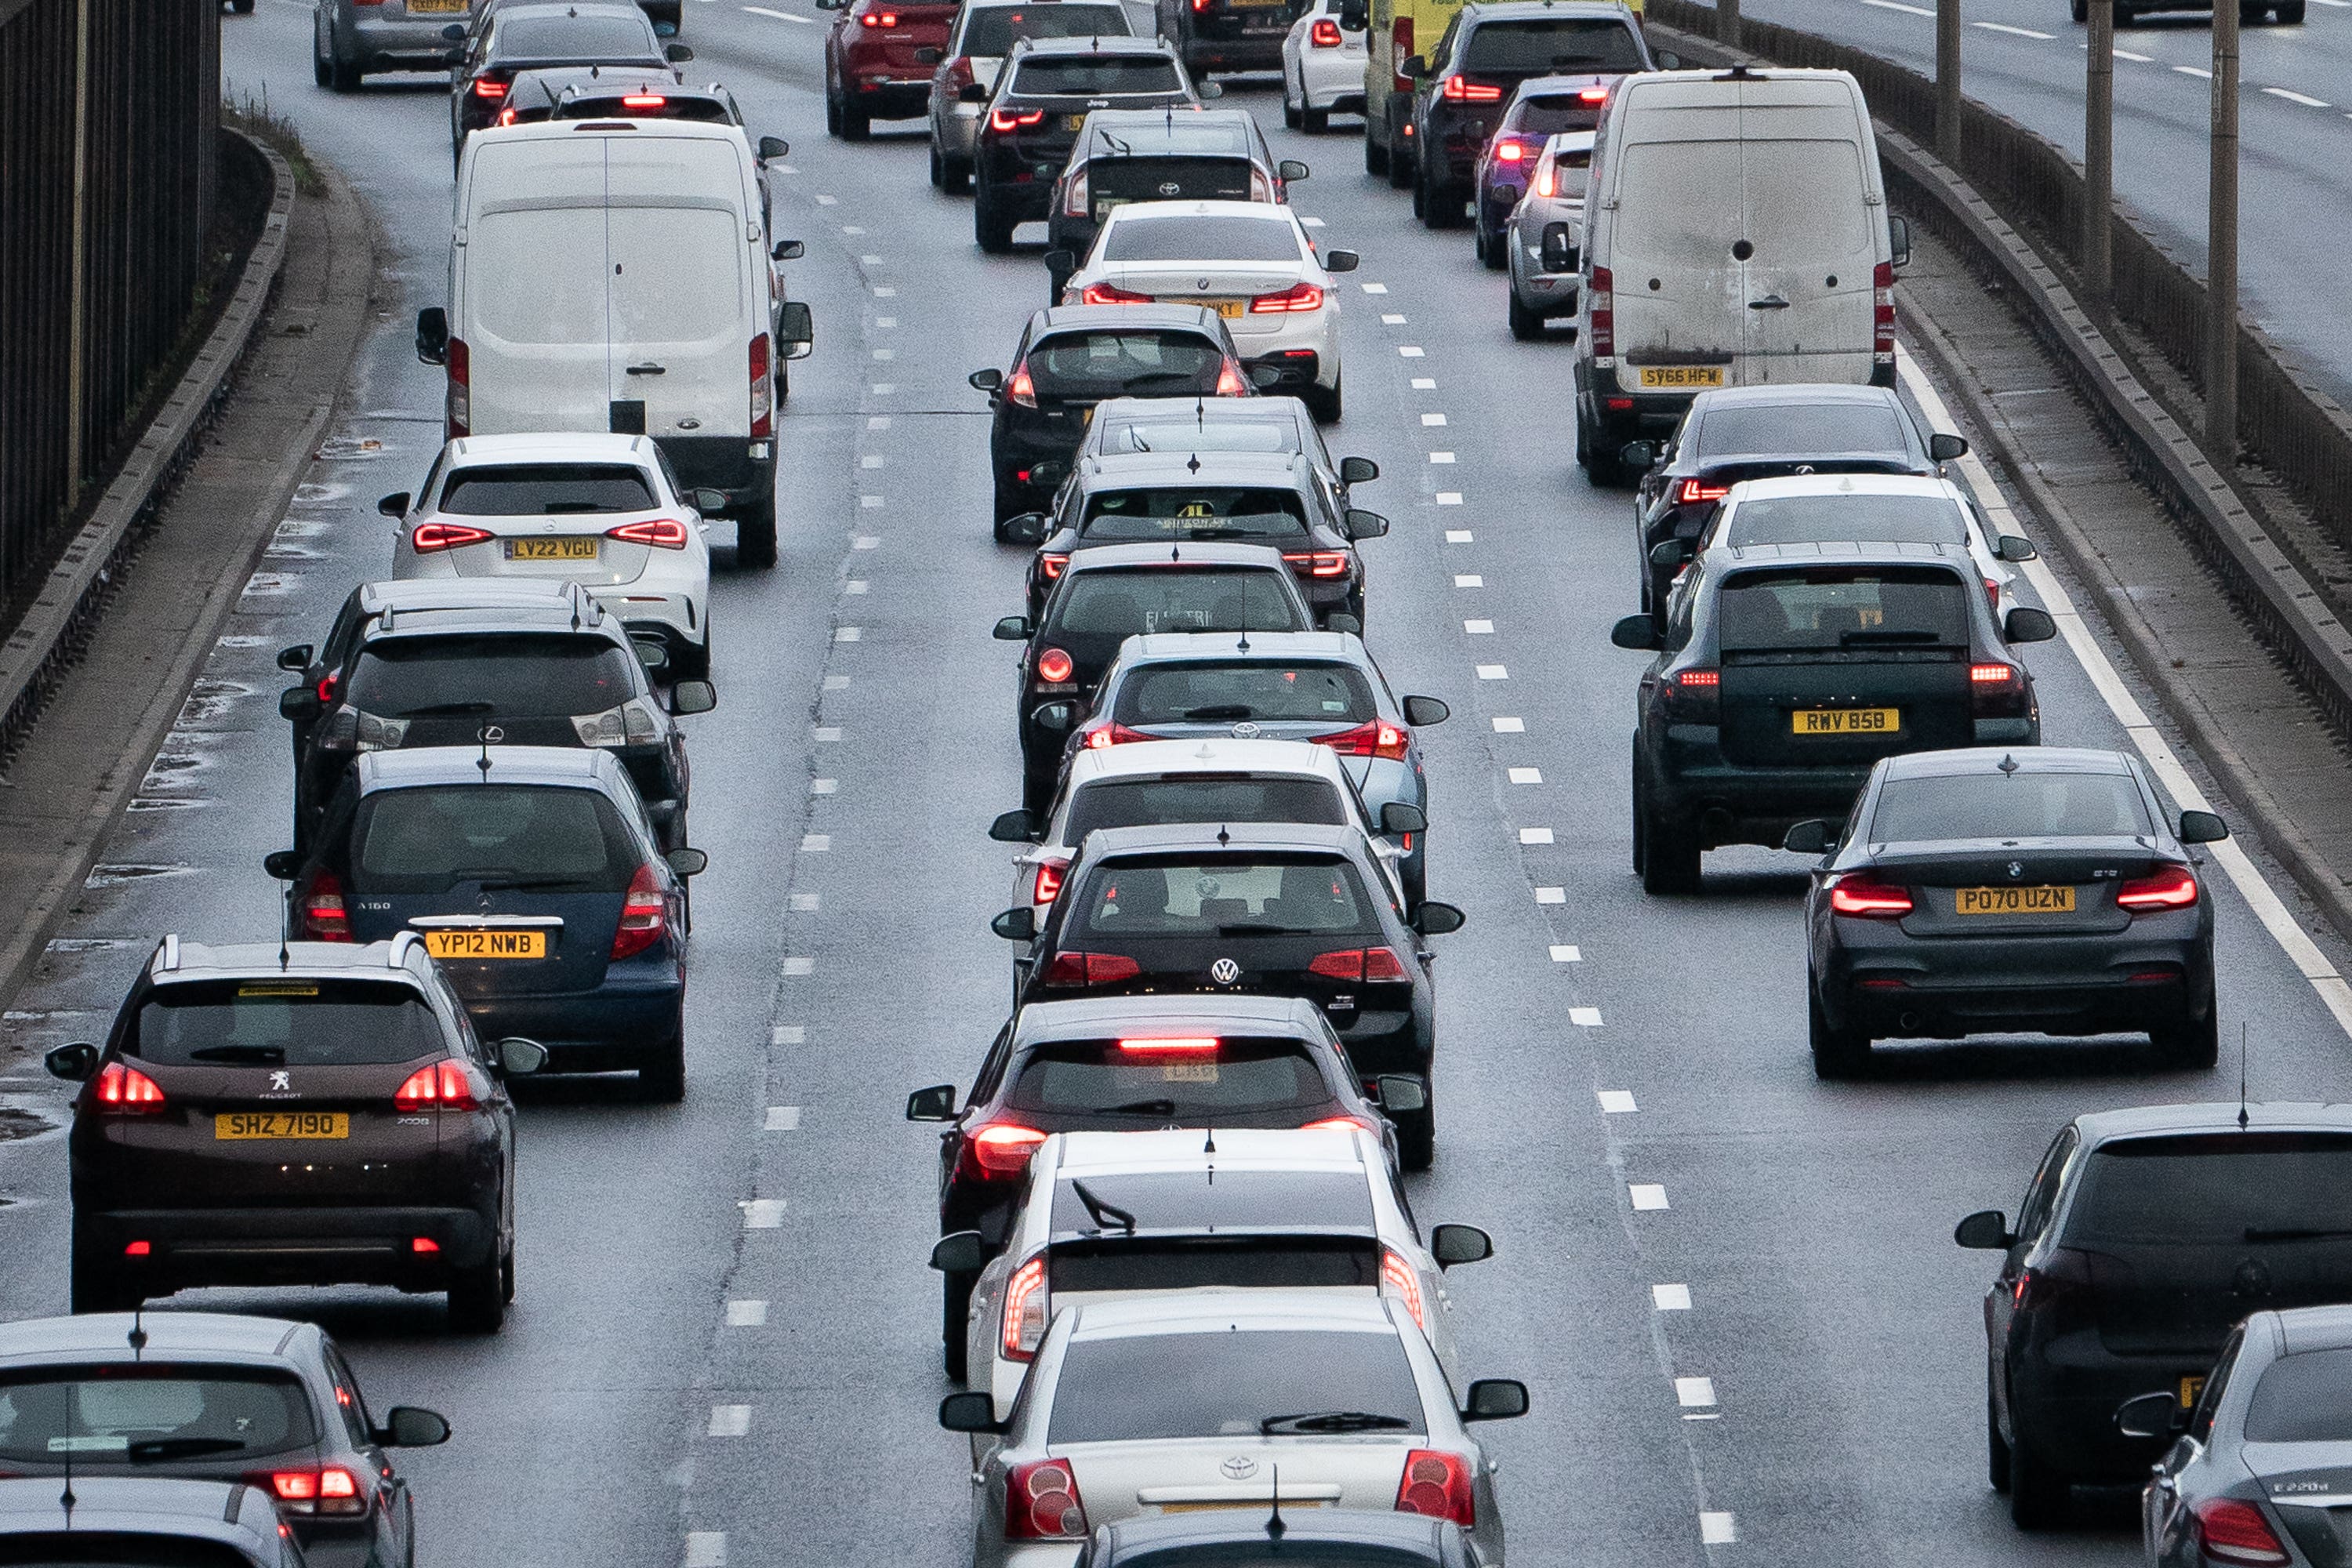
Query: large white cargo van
x=1735, y=233
x=617, y=274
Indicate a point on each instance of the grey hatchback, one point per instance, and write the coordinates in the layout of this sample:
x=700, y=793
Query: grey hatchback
x=354, y=38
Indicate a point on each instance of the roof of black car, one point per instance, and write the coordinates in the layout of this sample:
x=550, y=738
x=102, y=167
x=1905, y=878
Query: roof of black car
x=1080, y=318
x=1215, y=837
x=1237, y=1526
x=1845, y=553
x=106, y=1337
x=1088, y=1017
x=2218, y=1116
x=559, y=766
x=1988, y=759
x=1182, y=553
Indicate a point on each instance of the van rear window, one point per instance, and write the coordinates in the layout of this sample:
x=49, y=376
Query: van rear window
x=1843, y=607
x=537, y=277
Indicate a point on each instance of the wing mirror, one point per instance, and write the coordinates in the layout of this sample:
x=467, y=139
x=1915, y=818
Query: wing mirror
x=1807, y=838
x=1673, y=554
x=989, y=380
x=961, y=1253
x=1423, y=711
x=2201, y=827
x=1014, y=828
x=788, y=249
x=394, y=506
x=774, y=147
x=1342, y=621
x=1943, y=449
x=1898, y=242
x=1453, y=1244
x=406, y=1426
x=1401, y=816
x=297, y=703
x=1639, y=456
x=1362, y=525
x=1400, y=1095
x=796, y=329
x=1264, y=377
x=1028, y=528
x=936, y=1103
x=1494, y=1399
x=1358, y=470
x=689, y=862
x=1560, y=251
x=970, y=1411
x=1415, y=65
x=971, y=93
x=678, y=54
x=693, y=697
x=1209, y=90
x=928, y=56
x=652, y=653
x=283, y=864
x=517, y=1056
x=433, y=335
x=2158, y=1414
x=2026, y=624
x=1014, y=629
x=1433, y=919
x=1291, y=169
x=1668, y=60
x=1061, y=264
x=1055, y=716
x=1016, y=924
x=2011, y=547
x=296, y=658
x=73, y=1063
x=707, y=501
x=1637, y=632
x=1987, y=1230
x=455, y=32
x=1341, y=261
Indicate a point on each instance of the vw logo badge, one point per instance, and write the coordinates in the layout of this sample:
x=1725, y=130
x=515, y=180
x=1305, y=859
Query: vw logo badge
x=1170, y=187
x=1224, y=972
x=2016, y=869
x=1239, y=1467
x=1245, y=730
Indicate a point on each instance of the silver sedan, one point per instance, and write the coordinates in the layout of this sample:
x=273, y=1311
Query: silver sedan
x=1543, y=288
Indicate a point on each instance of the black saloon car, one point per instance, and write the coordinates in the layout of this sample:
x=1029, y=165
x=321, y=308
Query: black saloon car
x=1132, y=155
x=1997, y=891
x=1043, y=96
x=534, y=37
x=1786, y=671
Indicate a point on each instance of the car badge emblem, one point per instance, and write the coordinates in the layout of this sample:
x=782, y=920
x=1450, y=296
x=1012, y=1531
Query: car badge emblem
x=1804, y=468
x=1224, y=972
x=1168, y=187
x=1204, y=283
x=1239, y=1467
x=492, y=735
x=689, y=424
x=1245, y=730
x=281, y=1080
x=2016, y=869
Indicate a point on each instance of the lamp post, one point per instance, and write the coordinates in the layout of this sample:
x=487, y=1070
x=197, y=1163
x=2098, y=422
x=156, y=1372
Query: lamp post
x=2222, y=244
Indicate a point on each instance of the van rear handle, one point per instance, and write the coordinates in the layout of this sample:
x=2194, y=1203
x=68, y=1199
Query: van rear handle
x=648, y=368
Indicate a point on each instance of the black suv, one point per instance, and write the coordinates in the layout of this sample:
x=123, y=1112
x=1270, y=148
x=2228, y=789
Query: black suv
x=1460, y=85
x=1070, y=358
x=1134, y=156
x=1786, y=671
x=1226, y=34
x=518, y=39
x=439, y=663
x=1043, y=97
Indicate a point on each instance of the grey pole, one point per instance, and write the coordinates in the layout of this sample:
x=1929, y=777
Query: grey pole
x=1948, y=82
x=1727, y=22
x=2222, y=245
x=2099, y=157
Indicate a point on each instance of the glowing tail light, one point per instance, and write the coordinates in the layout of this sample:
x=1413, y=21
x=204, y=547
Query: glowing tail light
x=1866, y=900
x=489, y=90
x=645, y=915
x=457, y=408
x=126, y=1091
x=1021, y=389
x=1401, y=1281
x=1055, y=667
x=1461, y=89
x=1323, y=34
x=1991, y=674
x=332, y=1491
x=1001, y=1150
x=1103, y=734
x=1004, y=120
x=878, y=19
x=1592, y=95
x=1074, y=196
x=1172, y=1046
x=1373, y=738
x=1230, y=382
x=1548, y=181
x=1089, y=969
x=1510, y=151
x=763, y=391
x=661, y=533
x=1297, y=297
x=1600, y=306
x=1048, y=884
x=1111, y=294
x=1028, y=1309
x=2171, y=889
x=1693, y=492
x=1051, y=567
x=644, y=100
x=2231, y=1530
x=444, y=1086
x=431, y=538
x=324, y=918
x=1041, y=1498
x=1319, y=563
x=1362, y=965
x=1436, y=1484
x=1882, y=312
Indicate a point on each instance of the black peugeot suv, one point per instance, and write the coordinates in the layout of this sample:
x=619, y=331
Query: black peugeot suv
x=1042, y=99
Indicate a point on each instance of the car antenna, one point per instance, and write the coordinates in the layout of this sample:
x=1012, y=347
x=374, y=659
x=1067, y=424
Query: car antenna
x=282, y=958
x=1193, y=464
x=1274, y=1525
x=483, y=735
x=138, y=1335
x=1104, y=1214
x=1223, y=837
x=65, y=1499
x=2008, y=764
x=2241, y=1076
x=1209, y=1147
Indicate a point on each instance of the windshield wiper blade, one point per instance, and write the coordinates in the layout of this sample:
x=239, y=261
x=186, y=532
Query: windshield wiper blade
x=568, y=508
x=1848, y=639
x=432, y=709
x=1141, y=1107
x=238, y=1054
x=1216, y=711
x=1104, y=1214
x=2294, y=1232
x=1259, y=928
x=156, y=1450
x=535, y=885
x=1334, y=1421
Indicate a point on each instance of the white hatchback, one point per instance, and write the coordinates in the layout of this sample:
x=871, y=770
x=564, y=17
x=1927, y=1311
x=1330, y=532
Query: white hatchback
x=1322, y=69
x=604, y=511
x=1251, y=262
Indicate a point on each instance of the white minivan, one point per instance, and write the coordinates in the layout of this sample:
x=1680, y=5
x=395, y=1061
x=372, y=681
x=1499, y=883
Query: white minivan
x=1735, y=233
x=617, y=274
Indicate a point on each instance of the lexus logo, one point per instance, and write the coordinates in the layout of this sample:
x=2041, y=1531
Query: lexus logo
x=1168, y=187
x=1245, y=730
x=1224, y=972
x=1239, y=1467
x=492, y=735
x=2016, y=869
x=281, y=1080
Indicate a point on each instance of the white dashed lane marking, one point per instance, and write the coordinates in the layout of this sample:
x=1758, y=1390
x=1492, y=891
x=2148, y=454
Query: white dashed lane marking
x=788, y=1035
x=1551, y=895
x=746, y=1314
x=1694, y=1393
x=1392, y=320
x=767, y=1213
x=1449, y=497
x=806, y=903
x=884, y=294
x=731, y=1420
x=1586, y=1018
x=2198, y=71
x=1374, y=288
x=1498, y=672
x=1508, y=724
x=1479, y=628
x=828, y=201
x=1431, y=419
x=1408, y=352
x=799, y=964
x=2308, y=102
x=1468, y=580
x=1441, y=457
x=797, y=21
x=1670, y=1298
x=823, y=786
x=1716, y=1529
x=782, y=1119
x=848, y=634
x=1646, y=1196
x=1527, y=775
x=1455, y=535
x=2014, y=32
x=708, y=1548
x=815, y=843
x=1562, y=953
x=1429, y=384
x=1616, y=1101
x=1535, y=835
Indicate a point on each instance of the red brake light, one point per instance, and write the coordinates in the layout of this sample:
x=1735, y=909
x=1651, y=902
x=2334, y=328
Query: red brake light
x=458, y=400
x=490, y=88
x=427, y=538
x=1051, y=566
x=1459, y=90
x=1089, y=969
x=1399, y=1279
x=126, y=1091
x=1362, y=964
x=1436, y=1484
x=324, y=918
x=1105, y=733
x=1319, y=563
x=1048, y=885
x=138, y=1249
x=1991, y=674
x=1005, y=120
x=1510, y=151
x=1022, y=389
x=1106, y=294
x=1003, y=1148
x=1323, y=34
x=2229, y=1530
x=2174, y=888
x=1027, y=1311
x=1373, y=738
x=1297, y=297
x=1882, y=307
x=444, y=1086
x=644, y=100
x=1338, y=1124
x=1230, y=382
x=331, y=1490
x=1602, y=308
x=763, y=391
x=1693, y=492
x=645, y=915
x=1053, y=666
x=1699, y=677
x=1173, y=1045
x=1869, y=900
x=325, y=689
x=1548, y=181
x=424, y=1246
x=1592, y=95
x=662, y=532
x=1041, y=1498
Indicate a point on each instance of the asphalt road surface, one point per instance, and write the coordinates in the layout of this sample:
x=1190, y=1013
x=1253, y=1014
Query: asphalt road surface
x=1731, y=1288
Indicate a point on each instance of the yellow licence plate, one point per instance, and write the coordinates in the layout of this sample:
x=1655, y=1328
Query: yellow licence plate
x=565, y=547
x=1228, y=309
x=1678, y=377
x=436, y=7
x=1072, y=121
x=2192, y=1389
x=1845, y=720
x=2012, y=901
x=235, y=1126
x=486, y=943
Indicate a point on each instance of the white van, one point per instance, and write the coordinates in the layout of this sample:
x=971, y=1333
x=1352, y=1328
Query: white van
x=1735, y=233
x=616, y=274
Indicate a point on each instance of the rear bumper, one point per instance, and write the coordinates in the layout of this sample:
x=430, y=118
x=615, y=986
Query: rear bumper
x=409, y=43
x=358, y=1245
x=1298, y=368
x=1332, y=79
x=2063, y=1400
x=1019, y=181
x=742, y=466
x=1876, y=976
x=887, y=95
x=611, y=1029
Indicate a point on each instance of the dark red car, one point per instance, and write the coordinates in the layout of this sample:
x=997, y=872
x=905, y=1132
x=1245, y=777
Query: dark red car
x=871, y=71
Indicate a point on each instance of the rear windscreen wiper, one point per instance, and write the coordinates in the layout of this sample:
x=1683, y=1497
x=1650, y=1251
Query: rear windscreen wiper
x=1847, y=639
x=1104, y=1214
x=156, y=1450
x=1141, y=1107
x=2293, y=1233
x=1218, y=711
x=566, y=508
x=238, y=1054
x=1334, y=1421
x=432, y=709
x=1257, y=929
x=538, y=885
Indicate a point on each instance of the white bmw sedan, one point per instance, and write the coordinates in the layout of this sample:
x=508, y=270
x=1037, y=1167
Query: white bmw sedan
x=1249, y=262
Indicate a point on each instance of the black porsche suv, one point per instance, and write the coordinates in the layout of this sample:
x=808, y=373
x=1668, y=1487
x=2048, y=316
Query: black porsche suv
x=1042, y=99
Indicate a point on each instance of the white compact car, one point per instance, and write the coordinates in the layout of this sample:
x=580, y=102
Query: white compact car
x=1322, y=69
x=1112, y=1215
x=1249, y=262
x=1169, y=1404
x=601, y=511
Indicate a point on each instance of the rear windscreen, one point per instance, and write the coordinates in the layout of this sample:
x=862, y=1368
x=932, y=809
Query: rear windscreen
x=1222, y=1263
x=1103, y=1077
x=520, y=675
x=1544, y=116
x=2008, y=805
x=647, y=106
x=1807, y=519
x=1555, y=44
x=1115, y=364
x=515, y=837
x=283, y=1022
x=1843, y=607
x=1085, y=76
x=2223, y=1189
x=2303, y=1398
x=1152, y=802
x=1335, y=694
x=148, y=1414
x=1124, y=603
x=1227, y=1384
x=993, y=31
x=1204, y=435
x=1198, y=237
x=1204, y=512
x=1800, y=430
x=1193, y=1200
x=1227, y=896
x=1194, y=134
x=546, y=489
x=575, y=39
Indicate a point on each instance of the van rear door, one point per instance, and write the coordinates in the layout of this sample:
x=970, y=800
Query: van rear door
x=527, y=291
x=679, y=235
x=1807, y=216
x=1678, y=295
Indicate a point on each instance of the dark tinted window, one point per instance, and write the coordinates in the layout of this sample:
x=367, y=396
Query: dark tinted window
x=148, y=1414
x=1805, y=520
x=1097, y=76
x=108, y=1549
x=1552, y=112
x=541, y=489
x=1206, y=511
x=1189, y=1200
x=1848, y=607
x=522, y=675
x=2226, y=1190
x=1122, y=604
x=287, y=1022
x=993, y=31
x=1800, y=430
x=1225, y=896
x=1145, y=364
x=708, y=110
x=1167, y=1084
x=1193, y=237
x=435, y=839
x=1222, y=1384
x=1335, y=694
x=1221, y=1262
x=576, y=37
x=1560, y=44
x=1254, y=1555
x=2012, y=806
x=1148, y=803
x=2303, y=1398
x=1204, y=435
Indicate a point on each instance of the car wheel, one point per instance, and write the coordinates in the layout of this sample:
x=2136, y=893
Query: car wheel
x=1526, y=325
x=477, y=1298
x=1641, y=811
x=2289, y=12
x=1421, y=197
x=1400, y=162
x=2195, y=1044
x=1837, y=1053
x=755, y=536
x=663, y=1080
x=1416, y=877
x=939, y=174
x=1670, y=853
x=1417, y=1133
x=1494, y=249
x=1596, y=449
x=1376, y=154
x=1996, y=1449
x=955, y=174
x=1326, y=407
x=97, y=1285
x=856, y=126
x=2082, y=10
x=1317, y=121
x=955, y=1312
x=832, y=109
x=242, y=7
x=2039, y=1496
x=343, y=77
x=989, y=228
x=1290, y=114
x=321, y=71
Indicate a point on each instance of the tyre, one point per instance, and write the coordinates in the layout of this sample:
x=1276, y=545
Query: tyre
x=1417, y=1134
x=1420, y=199
x=856, y=126
x=321, y=71
x=1325, y=406
x=939, y=174
x=1494, y=250
x=97, y=1286
x=955, y=174
x=989, y=228
x=478, y=1298
x=1318, y=121
x=1597, y=450
x=2289, y=12
x=2195, y=1044
x=1400, y=168
x=755, y=536
x=343, y=77
x=1526, y=325
x=1376, y=154
x=1008, y=506
x=662, y=1081
x=1290, y=114
x=955, y=1310
x=2082, y=10
x=1996, y=1449
x=1837, y=1053
x=2039, y=1496
x=1670, y=853
x=242, y=7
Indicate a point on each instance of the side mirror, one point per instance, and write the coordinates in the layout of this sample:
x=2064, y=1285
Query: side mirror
x=1453, y=1244
x=1061, y=263
x=406, y=1426
x=1355, y=16
x=1017, y=924
x=1055, y=716
x=927, y=56
x=1638, y=632
x=788, y=249
x=1673, y=554
x=1559, y=250
x=665, y=29
x=1987, y=1230
x=1400, y=1095
x=2012, y=547
x=455, y=32
x=1014, y=828
x=1668, y=60
x=678, y=54
x=433, y=335
x=651, y=654
x=297, y=703
x=1415, y=65
x=1209, y=90
x=1898, y=241
x=1433, y=919
x=707, y=501
x=2026, y=624
x=970, y=1411
x=1291, y=169
x=1401, y=816
x=1341, y=261
x=1639, y=456
x=394, y=506
x=1343, y=622
x=1496, y=1399
x=1943, y=449
x=961, y=1253
x=1028, y=528
x=971, y=93
x=774, y=147
x=1014, y=629
x=1423, y=711
x=2151, y=1416
x=284, y=865
x=796, y=329
x=296, y=658
x=1358, y=470
x=689, y=862
x=988, y=380
x=693, y=697
x=2201, y=827
x=517, y=1056
x=1807, y=838
x=936, y=1103
x=73, y=1063
x=1362, y=525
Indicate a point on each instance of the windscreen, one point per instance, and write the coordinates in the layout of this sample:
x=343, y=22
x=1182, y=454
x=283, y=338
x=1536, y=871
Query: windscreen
x=1199, y=236
x=1205, y=436
x=283, y=1022
x=1114, y=364
x=1225, y=1384
x=520, y=675
x=1551, y=44
x=546, y=489
x=2012, y=806
x=1262, y=692
x=537, y=277
x=1241, y=1262
x=1203, y=511
x=1106, y=1077
x=1820, y=519
x=2303, y=1398
x=1190, y=797
x=148, y=1414
x=1551, y=113
x=993, y=32
x=1128, y=603
x=1095, y=76
x=1227, y=896
x=519, y=837
x=575, y=39
x=2222, y=1189
x=1195, y=1200
x=1802, y=430
x=1843, y=607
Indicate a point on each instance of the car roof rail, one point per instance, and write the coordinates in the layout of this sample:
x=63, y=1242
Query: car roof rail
x=167, y=953
x=402, y=945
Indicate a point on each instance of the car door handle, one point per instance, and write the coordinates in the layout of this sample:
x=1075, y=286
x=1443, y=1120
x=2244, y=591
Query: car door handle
x=648, y=368
x=1770, y=302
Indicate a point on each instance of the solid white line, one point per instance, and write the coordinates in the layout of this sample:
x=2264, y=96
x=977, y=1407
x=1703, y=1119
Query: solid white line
x=779, y=15
x=1429, y=419
x=1468, y=580
x=1505, y=724
x=1496, y=673
x=1646, y=1196
x=731, y=1420
x=1455, y=535
x=782, y=1119
x=788, y=1035
x=1478, y=628
x=1535, y=836
x=1590, y=1018
x=1694, y=1393
x=1527, y=775
x=2298, y=98
x=746, y=1314
x=1716, y=1529
x=706, y=1549
x=761, y=1213
x=2251, y=886
x=1551, y=895
x=1676, y=1297
x=1906, y=10
x=1616, y=1101
x=2014, y=32
x=1564, y=953
x=799, y=964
